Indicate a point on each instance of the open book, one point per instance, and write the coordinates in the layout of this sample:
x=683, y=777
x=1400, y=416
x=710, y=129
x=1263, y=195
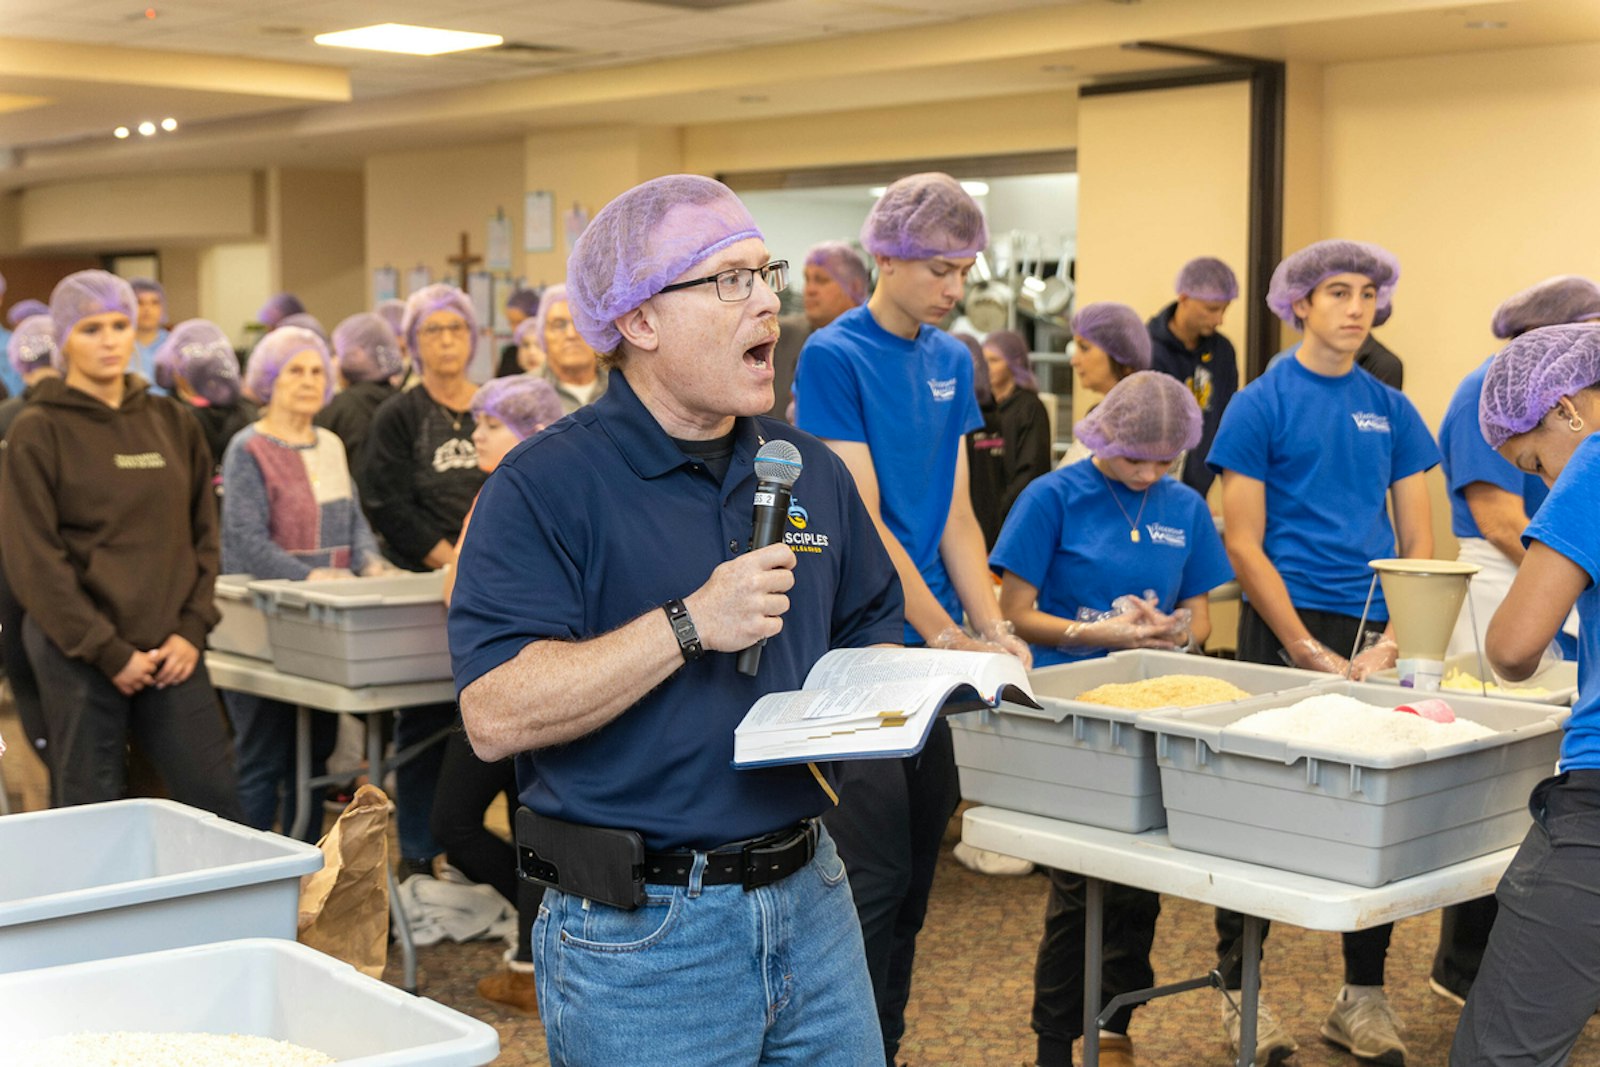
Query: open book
x=864, y=703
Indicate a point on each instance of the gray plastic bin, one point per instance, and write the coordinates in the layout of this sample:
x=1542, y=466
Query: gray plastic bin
x=243, y=628
x=1351, y=818
x=1085, y=762
x=1560, y=678
x=361, y=631
x=277, y=989
x=102, y=880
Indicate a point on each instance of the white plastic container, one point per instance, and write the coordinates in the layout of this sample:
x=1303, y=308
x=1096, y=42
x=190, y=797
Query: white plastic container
x=264, y=988
x=243, y=628
x=359, y=631
x=132, y=876
x=1353, y=818
x=1561, y=679
x=1086, y=762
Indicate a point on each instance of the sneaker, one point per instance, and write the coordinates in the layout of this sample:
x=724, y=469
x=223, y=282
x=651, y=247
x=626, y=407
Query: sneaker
x=514, y=987
x=1458, y=998
x=1363, y=1022
x=1273, y=1043
x=985, y=862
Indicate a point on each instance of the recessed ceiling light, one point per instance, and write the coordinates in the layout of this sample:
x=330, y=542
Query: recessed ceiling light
x=408, y=40
x=147, y=129
x=121, y=133
x=976, y=188
x=169, y=124
x=1487, y=24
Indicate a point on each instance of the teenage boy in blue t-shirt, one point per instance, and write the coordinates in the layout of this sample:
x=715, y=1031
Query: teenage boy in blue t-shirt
x=1310, y=455
x=892, y=395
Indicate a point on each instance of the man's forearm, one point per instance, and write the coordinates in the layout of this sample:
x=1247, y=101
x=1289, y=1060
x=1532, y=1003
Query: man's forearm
x=1265, y=590
x=966, y=561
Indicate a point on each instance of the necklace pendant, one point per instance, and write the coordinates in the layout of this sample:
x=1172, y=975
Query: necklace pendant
x=1133, y=535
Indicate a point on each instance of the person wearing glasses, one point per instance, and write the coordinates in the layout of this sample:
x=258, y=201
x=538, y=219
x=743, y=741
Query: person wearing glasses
x=570, y=364
x=892, y=395
x=603, y=591
x=418, y=477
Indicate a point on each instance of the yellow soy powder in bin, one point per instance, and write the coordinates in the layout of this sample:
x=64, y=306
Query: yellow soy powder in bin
x=1456, y=678
x=1167, y=691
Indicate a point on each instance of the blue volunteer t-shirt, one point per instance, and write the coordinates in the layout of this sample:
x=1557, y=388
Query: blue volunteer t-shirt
x=910, y=403
x=1068, y=538
x=144, y=362
x=8, y=374
x=601, y=519
x=1566, y=524
x=1468, y=458
x=1327, y=450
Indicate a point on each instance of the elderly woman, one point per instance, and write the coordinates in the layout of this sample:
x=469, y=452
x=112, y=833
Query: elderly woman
x=368, y=361
x=508, y=411
x=197, y=365
x=419, y=475
x=1097, y=556
x=110, y=545
x=1024, y=422
x=292, y=513
x=570, y=364
x=1540, y=979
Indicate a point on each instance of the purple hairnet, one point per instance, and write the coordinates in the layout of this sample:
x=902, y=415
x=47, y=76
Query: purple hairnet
x=25, y=309
x=201, y=354
x=1146, y=416
x=1532, y=373
x=844, y=266
x=553, y=295
x=524, y=300
x=1300, y=273
x=148, y=285
x=532, y=326
x=925, y=215
x=89, y=292
x=432, y=298
x=279, y=307
x=1014, y=347
x=1207, y=278
x=393, y=312
x=526, y=404
x=366, y=349
x=1117, y=329
x=277, y=348
x=1553, y=302
x=981, y=385
x=306, y=321
x=33, y=345
x=641, y=242
x=1381, y=316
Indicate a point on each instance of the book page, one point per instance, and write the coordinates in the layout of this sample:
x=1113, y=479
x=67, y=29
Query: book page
x=865, y=705
x=986, y=671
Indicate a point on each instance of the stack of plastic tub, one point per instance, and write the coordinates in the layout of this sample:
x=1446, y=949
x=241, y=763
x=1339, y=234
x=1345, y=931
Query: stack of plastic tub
x=1333, y=813
x=361, y=631
x=242, y=630
x=1082, y=762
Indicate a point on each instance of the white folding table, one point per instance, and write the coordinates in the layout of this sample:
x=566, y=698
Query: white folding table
x=1149, y=861
x=373, y=703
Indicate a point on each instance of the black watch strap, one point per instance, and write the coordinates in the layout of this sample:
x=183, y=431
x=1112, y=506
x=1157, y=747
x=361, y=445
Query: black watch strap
x=683, y=628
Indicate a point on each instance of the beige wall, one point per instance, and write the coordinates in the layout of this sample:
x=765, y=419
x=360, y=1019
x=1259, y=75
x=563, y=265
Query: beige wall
x=316, y=229
x=180, y=277
x=233, y=279
x=139, y=212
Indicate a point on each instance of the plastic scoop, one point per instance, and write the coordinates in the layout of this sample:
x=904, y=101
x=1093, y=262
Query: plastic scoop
x=1434, y=710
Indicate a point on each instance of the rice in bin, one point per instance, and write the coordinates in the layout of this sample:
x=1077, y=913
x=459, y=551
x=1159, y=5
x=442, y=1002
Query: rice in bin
x=1166, y=691
x=1359, y=728
x=121, y=1049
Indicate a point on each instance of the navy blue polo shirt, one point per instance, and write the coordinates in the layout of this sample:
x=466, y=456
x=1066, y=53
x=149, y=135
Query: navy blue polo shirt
x=601, y=519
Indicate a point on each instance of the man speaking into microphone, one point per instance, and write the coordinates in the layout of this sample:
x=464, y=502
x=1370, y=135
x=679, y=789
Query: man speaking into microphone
x=694, y=913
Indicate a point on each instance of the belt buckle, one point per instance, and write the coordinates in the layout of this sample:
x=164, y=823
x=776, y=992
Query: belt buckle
x=750, y=855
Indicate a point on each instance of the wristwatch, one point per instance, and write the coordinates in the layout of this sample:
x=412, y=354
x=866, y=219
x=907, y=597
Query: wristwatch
x=683, y=629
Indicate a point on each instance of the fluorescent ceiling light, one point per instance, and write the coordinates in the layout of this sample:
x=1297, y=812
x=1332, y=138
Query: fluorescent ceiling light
x=972, y=189
x=408, y=40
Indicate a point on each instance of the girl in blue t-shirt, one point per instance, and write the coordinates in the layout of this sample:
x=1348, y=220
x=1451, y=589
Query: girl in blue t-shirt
x=1097, y=556
x=1540, y=979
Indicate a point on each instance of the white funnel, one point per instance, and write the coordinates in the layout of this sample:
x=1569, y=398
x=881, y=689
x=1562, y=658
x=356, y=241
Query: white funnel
x=1424, y=598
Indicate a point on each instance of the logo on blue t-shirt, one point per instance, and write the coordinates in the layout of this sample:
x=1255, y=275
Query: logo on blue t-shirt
x=943, y=389
x=797, y=516
x=1367, y=422
x=801, y=539
x=1170, y=536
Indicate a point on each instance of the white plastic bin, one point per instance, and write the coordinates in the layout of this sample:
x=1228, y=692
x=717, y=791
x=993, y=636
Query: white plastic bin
x=1086, y=762
x=131, y=876
x=1560, y=678
x=1353, y=818
x=243, y=628
x=264, y=988
x=359, y=631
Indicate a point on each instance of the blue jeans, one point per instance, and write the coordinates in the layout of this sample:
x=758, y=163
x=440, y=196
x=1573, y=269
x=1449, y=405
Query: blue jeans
x=417, y=779
x=263, y=744
x=709, y=975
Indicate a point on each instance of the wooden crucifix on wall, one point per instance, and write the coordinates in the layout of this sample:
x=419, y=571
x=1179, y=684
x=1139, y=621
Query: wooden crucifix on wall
x=464, y=261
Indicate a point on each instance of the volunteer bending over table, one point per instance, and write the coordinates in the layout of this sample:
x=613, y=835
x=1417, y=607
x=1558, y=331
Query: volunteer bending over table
x=1098, y=556
x=1540, y=979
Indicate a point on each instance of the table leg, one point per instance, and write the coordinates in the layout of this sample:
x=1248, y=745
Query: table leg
x=377, y=771
x=1250, y=990
x=1093, y=963
x=302, y=773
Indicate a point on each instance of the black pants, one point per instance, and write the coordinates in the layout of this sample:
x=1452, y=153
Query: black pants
x=1129, y=930
x=1540, y=980
x=19, y=672
x=1365, y=951
x=890, y=820
x=467, y=786
x=179, y=729
x=1463, y=939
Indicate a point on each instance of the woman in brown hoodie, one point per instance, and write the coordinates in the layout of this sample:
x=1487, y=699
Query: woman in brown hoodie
x=110, y=545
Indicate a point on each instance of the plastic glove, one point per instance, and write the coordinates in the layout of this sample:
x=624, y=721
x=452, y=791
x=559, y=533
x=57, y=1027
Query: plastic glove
x=1379, y=655
x=1003, y=637
x=1312, y=655
x=956, y=639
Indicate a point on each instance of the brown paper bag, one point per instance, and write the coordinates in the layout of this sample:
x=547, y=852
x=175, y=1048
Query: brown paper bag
x=344, y=908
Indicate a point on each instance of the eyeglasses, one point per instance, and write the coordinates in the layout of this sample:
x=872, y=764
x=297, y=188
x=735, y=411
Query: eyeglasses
x=738, y=283
x=455, y=329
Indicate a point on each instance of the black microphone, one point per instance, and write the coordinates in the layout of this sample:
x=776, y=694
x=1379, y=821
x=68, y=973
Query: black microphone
x=777, y=467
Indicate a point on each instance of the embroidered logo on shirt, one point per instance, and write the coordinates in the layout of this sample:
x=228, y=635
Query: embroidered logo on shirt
x=139, y=461
x=943, y=389
x=455, y=454
x=800, y=539
x=1170, y=536
x=1367, y=422
x=798, y=516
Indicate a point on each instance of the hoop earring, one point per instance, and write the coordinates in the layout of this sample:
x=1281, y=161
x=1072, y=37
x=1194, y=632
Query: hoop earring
x=1575, y=424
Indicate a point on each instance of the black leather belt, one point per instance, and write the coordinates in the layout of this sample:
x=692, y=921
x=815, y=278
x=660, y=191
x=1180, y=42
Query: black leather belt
x=754, y=863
